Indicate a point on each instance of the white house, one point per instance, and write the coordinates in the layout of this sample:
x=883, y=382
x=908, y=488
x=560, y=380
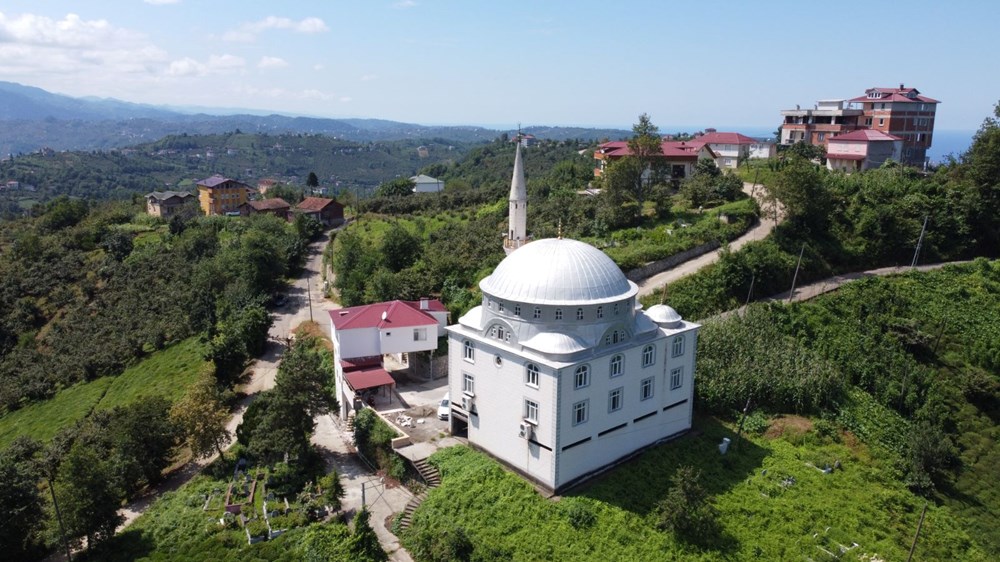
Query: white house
x=426, y=184
x=361, y=335
x=731, y=147
x=862, y=150
x=559, y=373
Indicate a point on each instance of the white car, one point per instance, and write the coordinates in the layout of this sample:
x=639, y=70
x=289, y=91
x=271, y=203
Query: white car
x=444, y=409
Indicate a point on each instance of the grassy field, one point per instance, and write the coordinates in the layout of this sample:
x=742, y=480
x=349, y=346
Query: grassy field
x=165, y=373
x=773, y=501
x=43, y=420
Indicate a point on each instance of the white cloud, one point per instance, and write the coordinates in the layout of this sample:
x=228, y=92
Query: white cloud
x=404, y=4
x=271, y=62
x=318, y=67
x=249, y=31
x=216, y=64
x=161, y=2
x=368, y=77
x=33, y=45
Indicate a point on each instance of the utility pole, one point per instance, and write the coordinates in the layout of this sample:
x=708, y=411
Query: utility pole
x=920, y=525
x=920, y=242
x=309, y=296
x=795, y=277
x=750, y=292
x=62, y=531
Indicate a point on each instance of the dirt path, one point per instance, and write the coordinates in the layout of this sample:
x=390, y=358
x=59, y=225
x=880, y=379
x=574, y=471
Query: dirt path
x=760, y=231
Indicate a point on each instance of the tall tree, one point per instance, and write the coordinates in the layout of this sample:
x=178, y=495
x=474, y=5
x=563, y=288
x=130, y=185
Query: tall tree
x=305, y=378
x=21, y=501
x=202, y=417
x=645, y=146
x=88, y=499
x=312, y=180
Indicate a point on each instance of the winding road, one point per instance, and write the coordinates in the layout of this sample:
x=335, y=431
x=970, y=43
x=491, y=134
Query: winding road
x=760, y=231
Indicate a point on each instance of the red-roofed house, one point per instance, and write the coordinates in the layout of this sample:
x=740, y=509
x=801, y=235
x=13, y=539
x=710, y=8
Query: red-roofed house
x=862, y=150
x=361, y=335
x=731, y=147
x=679, y=157
x=327, y=211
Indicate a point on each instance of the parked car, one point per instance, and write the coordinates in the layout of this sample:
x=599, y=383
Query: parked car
x=444, y=409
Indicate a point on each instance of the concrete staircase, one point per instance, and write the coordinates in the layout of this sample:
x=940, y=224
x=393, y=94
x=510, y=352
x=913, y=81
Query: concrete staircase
x=432, y=477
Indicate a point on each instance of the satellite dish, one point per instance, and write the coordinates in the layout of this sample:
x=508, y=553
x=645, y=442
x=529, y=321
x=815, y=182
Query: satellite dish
x=385, y=314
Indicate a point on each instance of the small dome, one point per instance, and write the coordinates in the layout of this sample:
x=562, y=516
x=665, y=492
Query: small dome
x=664, y=316
x=555, y=343
x=558, y=271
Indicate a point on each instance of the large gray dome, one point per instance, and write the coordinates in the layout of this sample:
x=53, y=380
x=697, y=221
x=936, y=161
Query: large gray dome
x=558, y=271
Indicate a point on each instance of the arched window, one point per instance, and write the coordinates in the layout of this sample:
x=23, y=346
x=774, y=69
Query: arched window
x=600, y=312
x=558, y=314
x=579, y=314
x=582, y=376
x=617, y=365
x=538, y=313
x=531, y=375
x=678, y=346
x=469, y=351
x=648, y=355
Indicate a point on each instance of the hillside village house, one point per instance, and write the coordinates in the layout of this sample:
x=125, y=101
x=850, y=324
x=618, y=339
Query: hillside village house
x=275, y=206
x=426, y=184
x=901, y=112
x=327, y=211
x=361, y=335
x=679, y=157
x=731, y=148
x=862, y=150
x=559, y=373
x=218, y=195
x=167, y=203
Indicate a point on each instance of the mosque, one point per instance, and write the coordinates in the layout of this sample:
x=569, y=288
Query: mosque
x=559, y=373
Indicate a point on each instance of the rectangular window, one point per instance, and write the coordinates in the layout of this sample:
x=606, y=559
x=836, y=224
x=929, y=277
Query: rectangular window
x=538, y=313
x=517, y=310
x=500, y=306
x=531, y=410
x=678, y=348
x=646, y=389
x=558, y=314
x=676, y=378
x=600, y=312
x=580, y=412
x=615, y=400
x=881, y=122
x=468, y=384
x=420, y=334
x=579, y=314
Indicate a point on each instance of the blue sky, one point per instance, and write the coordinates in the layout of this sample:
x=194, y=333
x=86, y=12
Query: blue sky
x=688, y=64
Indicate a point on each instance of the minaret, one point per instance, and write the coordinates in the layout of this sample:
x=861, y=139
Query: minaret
x=517, y=230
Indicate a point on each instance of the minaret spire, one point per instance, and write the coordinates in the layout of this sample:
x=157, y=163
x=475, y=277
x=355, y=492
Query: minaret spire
x=517, y=230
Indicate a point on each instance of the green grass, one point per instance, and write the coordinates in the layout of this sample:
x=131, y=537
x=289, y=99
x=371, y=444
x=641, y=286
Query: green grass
x=759, y=517
x=166, y=373
x=43, y=420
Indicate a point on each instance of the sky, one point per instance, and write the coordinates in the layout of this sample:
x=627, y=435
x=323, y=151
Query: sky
x=687, y=64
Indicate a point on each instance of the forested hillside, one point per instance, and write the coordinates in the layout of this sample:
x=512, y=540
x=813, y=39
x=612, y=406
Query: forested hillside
x=175, y=162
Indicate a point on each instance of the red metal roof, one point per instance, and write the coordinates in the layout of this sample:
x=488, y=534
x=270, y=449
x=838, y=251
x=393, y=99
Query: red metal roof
x=725, y=138
x=399, y=314
x=895, y=95
x=358, y=363
x=865, y=135
x=675, y=150
x=845, y=156
x=368, y=378
x=316, y=204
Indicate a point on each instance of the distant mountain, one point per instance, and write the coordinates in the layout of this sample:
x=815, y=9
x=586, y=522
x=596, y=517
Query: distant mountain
x=32, y=118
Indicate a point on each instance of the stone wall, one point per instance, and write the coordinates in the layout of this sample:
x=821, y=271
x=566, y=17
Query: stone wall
x=654, y=267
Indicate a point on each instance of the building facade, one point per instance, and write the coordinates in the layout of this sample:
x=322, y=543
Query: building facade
x=426, y=184
x=167, y=203
x=218, y=195
x=677, y=158
x=862, y=150
x=732, y=148
x=901, y=112
x=559, y=373
x=327, y=211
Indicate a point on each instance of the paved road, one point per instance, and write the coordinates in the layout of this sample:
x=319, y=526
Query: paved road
x=767, y=223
